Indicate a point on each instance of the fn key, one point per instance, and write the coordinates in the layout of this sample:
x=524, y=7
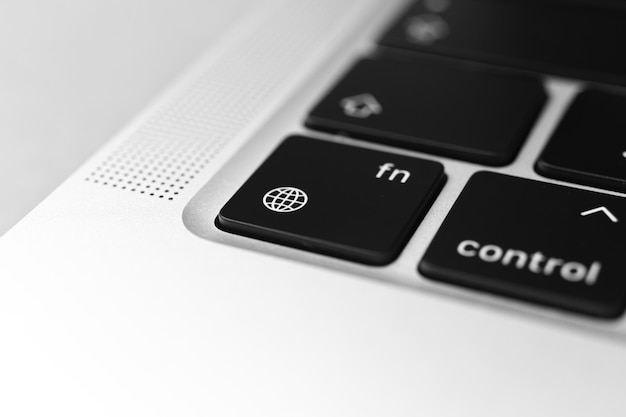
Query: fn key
x=344, y=201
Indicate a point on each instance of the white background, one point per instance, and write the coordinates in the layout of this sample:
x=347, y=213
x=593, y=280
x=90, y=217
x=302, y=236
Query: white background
x=73, y=72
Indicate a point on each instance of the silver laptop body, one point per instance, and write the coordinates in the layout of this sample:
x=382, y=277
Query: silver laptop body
x=120, y=297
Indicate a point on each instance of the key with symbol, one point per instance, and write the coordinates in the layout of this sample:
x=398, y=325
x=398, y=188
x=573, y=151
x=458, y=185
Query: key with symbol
x=544, y=243
x=426, y=105
x=340, y=200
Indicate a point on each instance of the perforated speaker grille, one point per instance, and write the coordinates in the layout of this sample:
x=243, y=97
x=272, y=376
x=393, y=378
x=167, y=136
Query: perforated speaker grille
x=176, y=143
x=160, y=170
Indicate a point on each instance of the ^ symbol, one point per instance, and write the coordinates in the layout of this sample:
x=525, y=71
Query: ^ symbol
x=602, y=209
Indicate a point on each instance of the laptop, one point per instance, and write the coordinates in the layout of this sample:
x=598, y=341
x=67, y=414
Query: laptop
x=346, y=208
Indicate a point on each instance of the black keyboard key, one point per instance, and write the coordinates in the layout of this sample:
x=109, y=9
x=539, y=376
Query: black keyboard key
x=349, y=202
x=549, y=244
x=565, y=38
x=454, y=111
x=589, y=146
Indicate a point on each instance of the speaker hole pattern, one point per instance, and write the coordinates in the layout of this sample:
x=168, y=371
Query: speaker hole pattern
x=173, y=146
x=161, y=172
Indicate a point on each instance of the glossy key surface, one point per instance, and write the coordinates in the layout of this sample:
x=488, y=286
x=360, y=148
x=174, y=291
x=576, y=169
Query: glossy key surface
x=589, y=145
x=583, y=40
x=340, y=200
x=544, y=243
x=456, y=111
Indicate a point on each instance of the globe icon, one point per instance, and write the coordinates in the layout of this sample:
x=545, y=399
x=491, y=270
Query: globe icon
x=285, y=199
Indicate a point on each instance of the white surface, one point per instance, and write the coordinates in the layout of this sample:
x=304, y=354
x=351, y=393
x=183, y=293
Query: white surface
x=73, y=72
x=129, y=332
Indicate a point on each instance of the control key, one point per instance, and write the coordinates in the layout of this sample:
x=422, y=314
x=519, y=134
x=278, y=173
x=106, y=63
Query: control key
x=539, y=242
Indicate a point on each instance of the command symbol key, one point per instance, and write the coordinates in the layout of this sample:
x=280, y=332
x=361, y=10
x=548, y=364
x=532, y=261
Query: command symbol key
x=352, y=203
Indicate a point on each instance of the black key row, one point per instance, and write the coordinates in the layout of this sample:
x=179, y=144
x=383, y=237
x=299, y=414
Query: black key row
x=477, y=115
x=582, y=40
x=545, y=243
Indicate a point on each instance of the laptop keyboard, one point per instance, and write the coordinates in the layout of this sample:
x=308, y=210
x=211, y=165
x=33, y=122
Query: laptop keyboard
x=446, y=80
